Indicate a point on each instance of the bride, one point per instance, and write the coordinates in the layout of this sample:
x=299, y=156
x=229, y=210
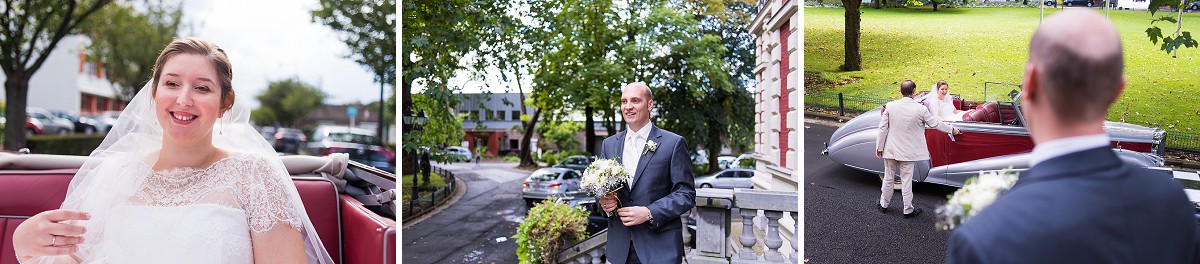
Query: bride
x=181, y=178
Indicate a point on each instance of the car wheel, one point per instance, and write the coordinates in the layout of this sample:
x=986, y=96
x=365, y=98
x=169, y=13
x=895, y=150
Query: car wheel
x=89, y=130
x=705, y=185
x=1089, y=4
x=29, y=132
x=1069, y=4
x=63, y=131
x=530, y=202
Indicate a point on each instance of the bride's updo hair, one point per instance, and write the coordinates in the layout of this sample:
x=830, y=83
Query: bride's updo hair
x=215, y=54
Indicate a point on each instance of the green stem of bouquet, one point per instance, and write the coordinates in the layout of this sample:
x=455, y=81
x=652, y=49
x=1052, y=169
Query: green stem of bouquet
x=611, y=213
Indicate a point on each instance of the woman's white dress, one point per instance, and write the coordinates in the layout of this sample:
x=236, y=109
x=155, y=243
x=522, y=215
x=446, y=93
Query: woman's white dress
x=194, y=215
x=944, y=109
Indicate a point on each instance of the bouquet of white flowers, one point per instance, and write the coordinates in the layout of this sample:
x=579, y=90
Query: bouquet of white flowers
x=976, y=194
x=604, y=176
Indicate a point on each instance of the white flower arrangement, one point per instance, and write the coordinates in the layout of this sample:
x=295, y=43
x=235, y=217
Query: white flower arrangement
x=975, y=195
x=603, y=177
x=651, y=146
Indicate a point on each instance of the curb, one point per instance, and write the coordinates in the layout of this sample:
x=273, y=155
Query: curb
x=1178, y=163
x=458, y=193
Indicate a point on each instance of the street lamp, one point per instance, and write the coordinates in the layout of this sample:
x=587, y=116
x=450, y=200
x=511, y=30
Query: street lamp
x=416, y=123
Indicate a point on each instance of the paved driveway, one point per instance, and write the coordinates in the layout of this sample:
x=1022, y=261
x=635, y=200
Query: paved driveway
x=842, y=226
x=467, y=231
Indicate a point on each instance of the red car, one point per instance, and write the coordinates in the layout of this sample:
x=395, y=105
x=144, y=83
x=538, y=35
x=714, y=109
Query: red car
x=354, y=229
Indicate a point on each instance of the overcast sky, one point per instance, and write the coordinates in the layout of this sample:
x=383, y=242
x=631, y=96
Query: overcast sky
x=269, y=40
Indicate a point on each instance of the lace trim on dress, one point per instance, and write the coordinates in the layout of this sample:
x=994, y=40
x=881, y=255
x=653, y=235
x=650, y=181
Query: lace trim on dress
x=248, y=178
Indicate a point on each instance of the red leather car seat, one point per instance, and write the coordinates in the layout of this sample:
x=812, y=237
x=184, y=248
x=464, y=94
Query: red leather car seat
x=320, y=200
x=987, y=112
x=24, y=194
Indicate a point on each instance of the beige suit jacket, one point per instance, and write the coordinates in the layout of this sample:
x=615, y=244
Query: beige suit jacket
x=902, y=130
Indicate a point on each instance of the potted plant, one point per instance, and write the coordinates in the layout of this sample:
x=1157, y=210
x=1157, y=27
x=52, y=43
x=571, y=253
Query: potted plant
x=548, y=226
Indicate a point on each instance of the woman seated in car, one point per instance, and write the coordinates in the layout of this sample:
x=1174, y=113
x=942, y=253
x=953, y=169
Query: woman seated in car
x=942, y=106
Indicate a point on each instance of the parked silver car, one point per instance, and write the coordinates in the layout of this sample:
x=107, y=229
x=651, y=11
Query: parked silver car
x=550, y=182
x=50, y=124
x=576, y=162
x=727, y=179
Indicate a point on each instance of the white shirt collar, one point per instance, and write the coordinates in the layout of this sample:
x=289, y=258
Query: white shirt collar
x=644, y=133
x=1064, y=146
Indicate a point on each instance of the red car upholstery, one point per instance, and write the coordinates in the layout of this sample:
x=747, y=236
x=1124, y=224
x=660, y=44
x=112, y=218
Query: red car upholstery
x=987, y=112
x=341, y=222
x=362, y=227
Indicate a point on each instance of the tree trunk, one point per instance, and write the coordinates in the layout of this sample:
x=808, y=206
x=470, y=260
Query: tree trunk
x=714, y=147
x=878, y=4
x=935, y=4
x=16, y=91
x=409, y=162
x=526, y=154
x=853, y=18
x=590, y=138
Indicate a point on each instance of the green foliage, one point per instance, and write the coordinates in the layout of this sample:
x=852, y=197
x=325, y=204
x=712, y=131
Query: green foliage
x=70, y=144
x=549, y=226
x=128, y=41
x=511, y=158
x=435, y=182
x=560, y=133
x=1178, y=37
x=369, y=29
x=287, y=101
x=983, y=51
x=443, y=127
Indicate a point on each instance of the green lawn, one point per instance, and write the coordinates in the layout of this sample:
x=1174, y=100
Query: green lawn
x=970, y=46
x=407, y=184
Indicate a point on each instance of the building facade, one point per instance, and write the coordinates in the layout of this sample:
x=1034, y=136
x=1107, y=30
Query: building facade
x=777, y=111
x=493, y=121
x=68, y=82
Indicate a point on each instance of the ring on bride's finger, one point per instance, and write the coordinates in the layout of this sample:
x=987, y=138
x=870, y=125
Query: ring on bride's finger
x=53, y=239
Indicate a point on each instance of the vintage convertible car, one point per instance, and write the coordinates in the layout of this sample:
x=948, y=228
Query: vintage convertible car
x=994, y=138
x=350, y=204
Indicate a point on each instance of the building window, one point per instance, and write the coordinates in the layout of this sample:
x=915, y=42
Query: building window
x=468, y=115
x=499, y=115
x=488, y=114
x=516, y=115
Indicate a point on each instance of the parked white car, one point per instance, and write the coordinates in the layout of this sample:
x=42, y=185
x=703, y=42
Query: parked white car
x=727, y=179
x=459, y=154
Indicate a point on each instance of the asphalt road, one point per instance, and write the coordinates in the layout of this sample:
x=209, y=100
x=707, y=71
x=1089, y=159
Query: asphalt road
x=842, y=224
x=479, y=227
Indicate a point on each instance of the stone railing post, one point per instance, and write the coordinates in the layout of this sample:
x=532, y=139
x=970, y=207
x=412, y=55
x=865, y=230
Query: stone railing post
x=795, y=245
x=587, y=251
x=712, y=226
x=773, y=204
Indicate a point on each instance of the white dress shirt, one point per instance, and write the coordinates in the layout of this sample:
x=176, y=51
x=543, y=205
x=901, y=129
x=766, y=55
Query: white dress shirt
x=635, y=144
x=1064, y=146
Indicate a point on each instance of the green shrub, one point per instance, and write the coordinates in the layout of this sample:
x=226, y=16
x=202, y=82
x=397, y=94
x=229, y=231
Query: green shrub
x=549, y=226
x=512, y=158
x=72, y=144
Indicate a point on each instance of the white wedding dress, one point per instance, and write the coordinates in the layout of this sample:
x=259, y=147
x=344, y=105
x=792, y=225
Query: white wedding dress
x=194, y=215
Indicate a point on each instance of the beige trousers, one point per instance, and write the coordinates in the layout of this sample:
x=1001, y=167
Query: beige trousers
x=906, y=173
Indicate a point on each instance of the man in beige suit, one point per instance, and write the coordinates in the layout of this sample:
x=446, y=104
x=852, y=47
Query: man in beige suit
x=901, y=142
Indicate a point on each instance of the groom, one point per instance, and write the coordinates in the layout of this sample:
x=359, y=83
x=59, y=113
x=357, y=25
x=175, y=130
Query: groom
x=649, y=228
x=1078, y=202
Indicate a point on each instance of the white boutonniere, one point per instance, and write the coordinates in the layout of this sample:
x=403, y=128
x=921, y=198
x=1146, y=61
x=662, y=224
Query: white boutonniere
x=976, y=194
x=650, y=147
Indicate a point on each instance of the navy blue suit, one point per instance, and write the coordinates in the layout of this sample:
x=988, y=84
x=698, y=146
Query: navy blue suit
x=1083, y=207
x=666, y=186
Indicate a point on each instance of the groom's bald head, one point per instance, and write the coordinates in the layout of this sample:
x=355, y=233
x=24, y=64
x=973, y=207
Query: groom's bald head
x=1076, y=60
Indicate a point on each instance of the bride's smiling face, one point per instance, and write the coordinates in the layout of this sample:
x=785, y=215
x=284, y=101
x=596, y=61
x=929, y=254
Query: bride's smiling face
x=188, y=97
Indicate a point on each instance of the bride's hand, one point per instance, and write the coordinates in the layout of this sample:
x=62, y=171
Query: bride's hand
x=48, y=234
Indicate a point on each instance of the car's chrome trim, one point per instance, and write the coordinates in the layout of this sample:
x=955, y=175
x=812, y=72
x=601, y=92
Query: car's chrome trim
x=15, y=216
x=390, y=230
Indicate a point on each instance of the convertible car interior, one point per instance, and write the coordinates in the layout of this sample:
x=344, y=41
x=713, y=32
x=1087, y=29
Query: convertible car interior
x=350, y=204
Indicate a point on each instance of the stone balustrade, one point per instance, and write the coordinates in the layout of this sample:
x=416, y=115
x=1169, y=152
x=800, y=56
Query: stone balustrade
x=714, y=238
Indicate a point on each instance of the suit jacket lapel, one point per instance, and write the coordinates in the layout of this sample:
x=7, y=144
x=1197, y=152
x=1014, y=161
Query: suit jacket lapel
x=641, y=167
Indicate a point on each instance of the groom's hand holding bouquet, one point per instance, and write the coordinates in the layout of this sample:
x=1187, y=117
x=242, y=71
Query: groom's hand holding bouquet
x=602, y=179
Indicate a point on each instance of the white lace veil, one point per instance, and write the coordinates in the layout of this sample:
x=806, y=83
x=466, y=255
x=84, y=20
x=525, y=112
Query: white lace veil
x=106, y=179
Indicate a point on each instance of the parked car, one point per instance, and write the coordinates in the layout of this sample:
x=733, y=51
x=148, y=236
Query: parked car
x=1087, y=3
x=50, y=123
x=725, y=162
x=82, y=124
x=547, y=183
x=578, y=163
x=289, y=140
x=357, y=142
x=997, y=139
x=1195, y=6
x=597, y=218
x=458, y=154
x=32, y=126
x=355, y=220
x=727, y=179
x=105, y=120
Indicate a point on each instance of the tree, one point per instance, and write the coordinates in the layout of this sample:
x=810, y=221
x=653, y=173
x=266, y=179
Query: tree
x=287, y=101
x=853, y=18
x=438, y=35
x=127, y=42
x=561, y=134
x=29, y=31
x=369, y=29
x=1171, y=44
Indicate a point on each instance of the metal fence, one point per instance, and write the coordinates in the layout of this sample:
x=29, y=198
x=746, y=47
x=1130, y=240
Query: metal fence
x=420, y=205
x=849, y=105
